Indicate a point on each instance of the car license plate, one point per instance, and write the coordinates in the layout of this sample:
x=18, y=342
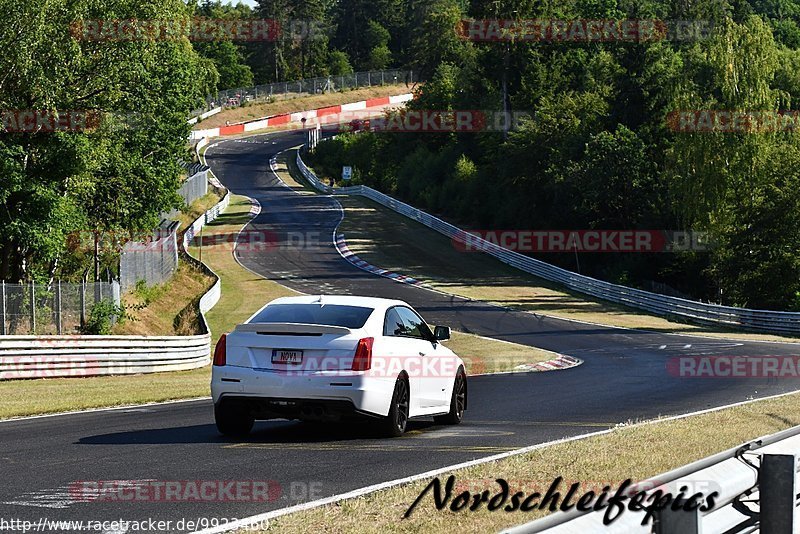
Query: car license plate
x=287, y=356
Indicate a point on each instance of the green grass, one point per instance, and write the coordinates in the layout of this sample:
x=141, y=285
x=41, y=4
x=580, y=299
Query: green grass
x=53, y=395
x=243, y=293
x=388, y=240
x=297, y=103
x=633, y=452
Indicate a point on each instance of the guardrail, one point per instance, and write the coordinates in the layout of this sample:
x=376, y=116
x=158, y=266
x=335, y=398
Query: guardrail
x=24, y=357
x=212, y=296
x=687, y=310
x=756, y=490
x=312, y=117
x=78, y=356
x=207, y=114
x=313, y=86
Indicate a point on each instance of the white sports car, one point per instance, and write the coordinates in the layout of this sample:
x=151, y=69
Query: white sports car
x=327, y=358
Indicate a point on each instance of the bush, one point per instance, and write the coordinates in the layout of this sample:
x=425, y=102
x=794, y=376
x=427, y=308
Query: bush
x=102, y=318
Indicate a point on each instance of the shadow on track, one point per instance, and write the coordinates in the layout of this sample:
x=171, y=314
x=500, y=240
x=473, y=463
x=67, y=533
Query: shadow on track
x=277, y=431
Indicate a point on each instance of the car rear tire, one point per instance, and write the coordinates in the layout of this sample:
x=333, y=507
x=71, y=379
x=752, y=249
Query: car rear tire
x=394, y=425
x=458, y=402
x=231, y=422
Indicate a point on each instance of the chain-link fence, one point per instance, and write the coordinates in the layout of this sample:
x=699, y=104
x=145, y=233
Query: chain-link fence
x=153, y=261
x=313, y=86
x=55, y=309
x=193, y=188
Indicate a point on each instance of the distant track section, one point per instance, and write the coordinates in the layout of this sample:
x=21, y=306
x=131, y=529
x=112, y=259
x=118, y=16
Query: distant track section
x=663, y=305
x=326, y=115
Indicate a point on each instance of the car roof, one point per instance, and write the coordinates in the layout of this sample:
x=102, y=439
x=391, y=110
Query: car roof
x=345, y=300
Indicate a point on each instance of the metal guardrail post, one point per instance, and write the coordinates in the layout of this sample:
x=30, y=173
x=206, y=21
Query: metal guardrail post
x=59, y=328
x=33, y=307
x=5, y=332
x=668, y=521
x=83, y=303
x=777, y=493
x=115, y=291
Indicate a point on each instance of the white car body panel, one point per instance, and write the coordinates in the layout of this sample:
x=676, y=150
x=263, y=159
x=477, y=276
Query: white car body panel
x=325, y=374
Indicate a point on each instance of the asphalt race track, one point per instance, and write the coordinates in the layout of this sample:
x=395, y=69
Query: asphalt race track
x=623, y=378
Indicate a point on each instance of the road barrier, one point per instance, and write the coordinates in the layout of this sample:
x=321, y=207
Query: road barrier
x=212, y=296
x=312, y=117
x=207, y=114
x=756, y=485
x=312, y=86
x=663, y=305
x=24, y=357
x=80, y=356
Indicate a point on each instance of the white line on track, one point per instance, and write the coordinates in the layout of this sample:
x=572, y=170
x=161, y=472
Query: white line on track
x=429, y=474
x=266, y=517
x=577, y=321
x=108, y=409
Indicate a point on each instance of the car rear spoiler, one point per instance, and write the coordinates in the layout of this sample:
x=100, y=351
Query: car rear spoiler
x=289, y=329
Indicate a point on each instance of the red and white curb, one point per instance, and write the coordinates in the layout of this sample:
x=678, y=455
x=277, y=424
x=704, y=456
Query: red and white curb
x=330, y=114
x=255, y=207
x=557, y=364
x=347, y=254
x=562, y=361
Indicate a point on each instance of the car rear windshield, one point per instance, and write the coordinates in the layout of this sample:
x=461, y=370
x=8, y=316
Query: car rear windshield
x=327, y=314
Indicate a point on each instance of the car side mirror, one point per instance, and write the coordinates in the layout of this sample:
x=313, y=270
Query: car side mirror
x=441, y=333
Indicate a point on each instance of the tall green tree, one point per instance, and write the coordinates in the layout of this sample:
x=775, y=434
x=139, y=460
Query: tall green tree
x=116, y=177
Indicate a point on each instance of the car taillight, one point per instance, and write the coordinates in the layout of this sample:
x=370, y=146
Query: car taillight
x=220, y=351
x=363, y=358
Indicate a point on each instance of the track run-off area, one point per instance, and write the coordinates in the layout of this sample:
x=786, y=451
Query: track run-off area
x=624, y=377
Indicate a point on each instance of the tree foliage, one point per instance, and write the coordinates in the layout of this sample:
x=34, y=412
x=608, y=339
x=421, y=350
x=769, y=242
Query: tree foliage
x=600, y=150
x=118, y=176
